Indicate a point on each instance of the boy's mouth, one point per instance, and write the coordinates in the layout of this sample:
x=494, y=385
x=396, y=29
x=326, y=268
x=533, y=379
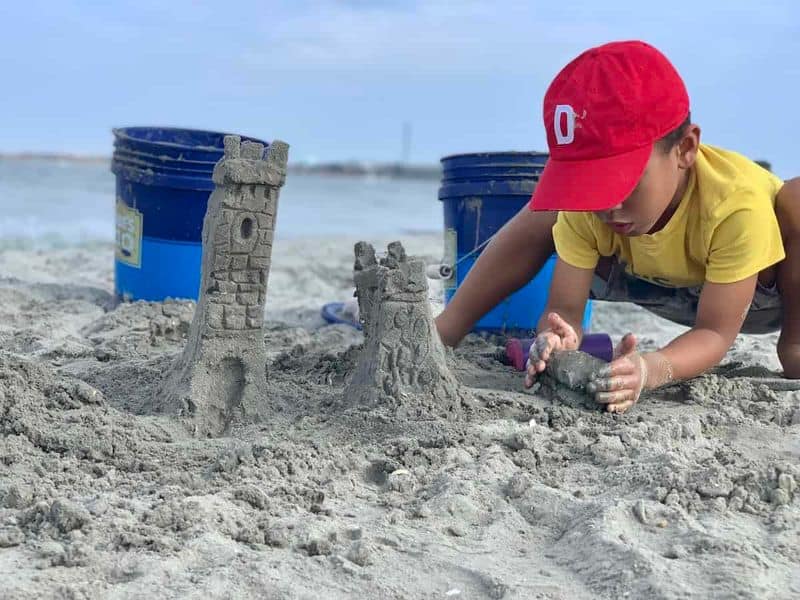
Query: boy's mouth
x=621, y=228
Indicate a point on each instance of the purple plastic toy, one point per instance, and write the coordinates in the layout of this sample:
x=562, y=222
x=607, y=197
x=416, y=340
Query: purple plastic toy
x=597, y=344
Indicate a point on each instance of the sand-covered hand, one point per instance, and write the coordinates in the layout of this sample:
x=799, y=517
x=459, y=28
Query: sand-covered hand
x=559, y=335
x=620, y=384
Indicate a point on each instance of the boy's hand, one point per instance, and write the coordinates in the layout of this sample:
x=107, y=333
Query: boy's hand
x=559, y=335
x=620, y=384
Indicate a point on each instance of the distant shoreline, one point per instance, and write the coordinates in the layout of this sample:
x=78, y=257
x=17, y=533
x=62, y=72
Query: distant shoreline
x=346, y=169
x=54, y=156
x=354, y=169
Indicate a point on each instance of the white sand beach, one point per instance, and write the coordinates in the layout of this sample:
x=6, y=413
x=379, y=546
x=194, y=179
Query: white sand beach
x=691, y=494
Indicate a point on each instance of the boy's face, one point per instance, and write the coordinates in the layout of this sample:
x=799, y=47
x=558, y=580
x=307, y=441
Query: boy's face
x=659, y=190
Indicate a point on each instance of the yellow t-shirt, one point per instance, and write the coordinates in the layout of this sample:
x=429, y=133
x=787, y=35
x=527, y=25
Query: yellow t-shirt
x=723, y=231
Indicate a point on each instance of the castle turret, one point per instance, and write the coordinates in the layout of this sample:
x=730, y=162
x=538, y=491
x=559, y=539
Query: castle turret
x=221, y=372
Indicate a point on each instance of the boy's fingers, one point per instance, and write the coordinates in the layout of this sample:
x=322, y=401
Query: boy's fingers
x=533, y=372
x=612, y=384
x=568, y=335
x=538, y=346
x=620, y=407
x=560, y=326
x=616, y=368
x=530, y=373
x=617, y=397
x=555, y=321
x=542, y=347
x=629, y=342
x=544, y=355
x=626, y=345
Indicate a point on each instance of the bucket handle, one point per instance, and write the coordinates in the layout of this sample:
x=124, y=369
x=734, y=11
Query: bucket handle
x=443, y=268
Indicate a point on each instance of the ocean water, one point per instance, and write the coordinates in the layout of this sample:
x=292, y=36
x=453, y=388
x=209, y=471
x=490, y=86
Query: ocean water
x=52, y=203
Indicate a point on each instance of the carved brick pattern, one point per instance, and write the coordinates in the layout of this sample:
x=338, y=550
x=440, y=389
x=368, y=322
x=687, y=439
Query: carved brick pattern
x=238, y=262
x=221, y=375
x=403, y=361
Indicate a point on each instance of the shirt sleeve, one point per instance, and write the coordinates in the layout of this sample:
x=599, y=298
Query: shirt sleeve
x=745, y=242
x=575, y=240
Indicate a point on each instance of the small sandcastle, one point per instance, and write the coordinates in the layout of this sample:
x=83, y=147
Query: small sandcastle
x=403, y=361
x=221, y=373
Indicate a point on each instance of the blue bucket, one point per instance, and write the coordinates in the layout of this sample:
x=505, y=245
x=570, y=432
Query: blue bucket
x=480, y=193
x=163, y=185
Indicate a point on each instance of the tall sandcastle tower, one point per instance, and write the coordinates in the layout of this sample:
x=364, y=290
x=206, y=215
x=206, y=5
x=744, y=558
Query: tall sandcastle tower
x=221, y=372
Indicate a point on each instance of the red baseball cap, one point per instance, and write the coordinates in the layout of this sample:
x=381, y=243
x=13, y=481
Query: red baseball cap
x=603, y=114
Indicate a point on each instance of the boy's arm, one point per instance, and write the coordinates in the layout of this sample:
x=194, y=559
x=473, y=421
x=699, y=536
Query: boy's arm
x=517, y=252
x=720, y=314
x=569, y=291
x=559, y=326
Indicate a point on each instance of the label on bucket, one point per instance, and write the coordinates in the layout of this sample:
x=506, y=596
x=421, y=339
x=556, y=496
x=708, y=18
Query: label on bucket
x=450, y=256
x=129, y=235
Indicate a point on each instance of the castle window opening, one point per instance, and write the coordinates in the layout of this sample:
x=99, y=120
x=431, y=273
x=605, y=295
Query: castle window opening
x=247, y=228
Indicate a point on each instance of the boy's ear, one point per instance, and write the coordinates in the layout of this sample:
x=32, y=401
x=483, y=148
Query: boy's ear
x=688, y=147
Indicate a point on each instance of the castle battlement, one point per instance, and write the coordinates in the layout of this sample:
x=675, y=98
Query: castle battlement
x=246, y=162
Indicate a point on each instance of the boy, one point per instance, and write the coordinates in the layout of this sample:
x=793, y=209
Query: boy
x=646, y=214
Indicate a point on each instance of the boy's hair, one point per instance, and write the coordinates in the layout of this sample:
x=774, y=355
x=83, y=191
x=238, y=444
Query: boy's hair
x=669, y=141
x=764, y=163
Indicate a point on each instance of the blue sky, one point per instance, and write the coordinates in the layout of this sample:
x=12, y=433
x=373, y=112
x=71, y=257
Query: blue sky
x=336, y=79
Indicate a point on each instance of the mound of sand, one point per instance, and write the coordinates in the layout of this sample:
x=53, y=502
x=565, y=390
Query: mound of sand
x=693, y=493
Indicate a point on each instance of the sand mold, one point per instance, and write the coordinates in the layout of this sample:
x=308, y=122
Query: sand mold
x=691, y=494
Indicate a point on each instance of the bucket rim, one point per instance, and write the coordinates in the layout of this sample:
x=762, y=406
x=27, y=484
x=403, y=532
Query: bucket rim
x=121, y=133
x=160, y=168
x=128, y=154
x=498, y=153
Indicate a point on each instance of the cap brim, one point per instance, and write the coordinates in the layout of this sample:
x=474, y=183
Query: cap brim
x=589, y=185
